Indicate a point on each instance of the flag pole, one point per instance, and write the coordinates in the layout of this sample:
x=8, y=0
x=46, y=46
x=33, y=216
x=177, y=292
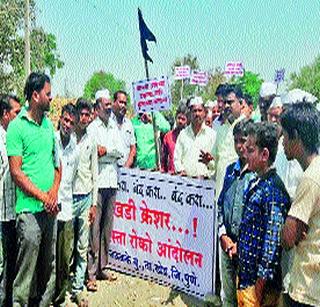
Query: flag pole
x=155, y=130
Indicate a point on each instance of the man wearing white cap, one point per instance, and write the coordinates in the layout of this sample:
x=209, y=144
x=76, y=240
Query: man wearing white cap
x=107, y=137
x=268, y=91
x=289, y=171
x=194, y=148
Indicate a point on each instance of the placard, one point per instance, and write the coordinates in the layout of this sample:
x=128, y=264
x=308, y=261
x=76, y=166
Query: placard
x=151, y=95
x=164, y=230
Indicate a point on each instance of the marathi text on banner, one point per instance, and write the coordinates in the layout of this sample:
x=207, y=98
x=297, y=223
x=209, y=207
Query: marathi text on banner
x=151, y=95
x=164, y=230
x=234, y=69
x=199, y=78
x=182, y=72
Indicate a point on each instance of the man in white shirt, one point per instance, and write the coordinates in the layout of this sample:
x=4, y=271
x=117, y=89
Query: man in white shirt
x=9, y=109
x=69, y=158
x=85, y=192
x=194, y=142
x=107, y=136
x=289, y=171
x=224, y=152
x=124, y=125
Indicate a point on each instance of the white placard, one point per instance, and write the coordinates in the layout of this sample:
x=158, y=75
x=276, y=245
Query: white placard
x=199, y=78
x=151, y=95
x=234, y=69
x=182, y=72
x=164, y=230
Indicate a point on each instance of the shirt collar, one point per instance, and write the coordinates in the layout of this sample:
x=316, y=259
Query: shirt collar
x=72, y=142
x=24, y=114
x=101, y=123
x=113, y=116
x=202, y=129
x=269, y=173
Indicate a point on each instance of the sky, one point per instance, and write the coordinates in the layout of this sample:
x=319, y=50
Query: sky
x=94, y=35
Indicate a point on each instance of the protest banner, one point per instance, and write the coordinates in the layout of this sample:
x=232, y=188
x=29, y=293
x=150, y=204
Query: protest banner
x=164, y=230
x=234, y=69
x=199, y=78
x=182, y=72
x=151, y=95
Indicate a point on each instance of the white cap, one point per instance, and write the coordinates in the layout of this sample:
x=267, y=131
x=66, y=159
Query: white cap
x=104, y=93
x=196, y=101
x=297, y=95
x=276, y=103
x=211, y=104
x=268, y=89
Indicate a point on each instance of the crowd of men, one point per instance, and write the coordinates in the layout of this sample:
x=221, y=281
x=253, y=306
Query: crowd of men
x=58, y=188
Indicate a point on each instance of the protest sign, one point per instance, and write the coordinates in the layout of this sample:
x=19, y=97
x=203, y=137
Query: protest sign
x=164, y=230
x=279, y=76
x=182, y=72
x=234, y=69
x=199, y=78
x=151, y=95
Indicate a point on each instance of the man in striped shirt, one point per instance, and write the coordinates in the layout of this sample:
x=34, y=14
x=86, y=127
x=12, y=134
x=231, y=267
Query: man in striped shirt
x=9, y=108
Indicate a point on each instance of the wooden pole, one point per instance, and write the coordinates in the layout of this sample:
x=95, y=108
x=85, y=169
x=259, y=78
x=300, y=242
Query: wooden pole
x=181, y=90
x=27, y=38
x=155, y=130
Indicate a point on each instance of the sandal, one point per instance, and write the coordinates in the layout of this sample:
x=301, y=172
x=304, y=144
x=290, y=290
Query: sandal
x=81, y=300
x=92, y=286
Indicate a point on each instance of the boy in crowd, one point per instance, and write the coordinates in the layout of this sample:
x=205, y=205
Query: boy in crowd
x=266, y=203
x=170, y=139
x=69, y=157
x=85, y=192
x=300, y=123
x=230, y=206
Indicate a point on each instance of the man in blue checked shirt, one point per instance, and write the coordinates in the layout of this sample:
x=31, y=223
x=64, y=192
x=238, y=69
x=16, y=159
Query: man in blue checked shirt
x=266, y=204
x=230, y=206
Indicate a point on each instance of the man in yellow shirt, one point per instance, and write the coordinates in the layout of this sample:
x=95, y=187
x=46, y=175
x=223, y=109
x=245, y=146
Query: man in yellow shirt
x=301, y=232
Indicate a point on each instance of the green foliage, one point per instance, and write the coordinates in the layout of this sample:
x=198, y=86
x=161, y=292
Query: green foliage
x=250, y=83
x=100, y=80
x=188, y=89
x=44, y=55
x=308, y=79
x=216, y=77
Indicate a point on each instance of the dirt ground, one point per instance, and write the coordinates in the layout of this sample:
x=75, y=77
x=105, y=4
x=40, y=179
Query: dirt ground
x=130, y=291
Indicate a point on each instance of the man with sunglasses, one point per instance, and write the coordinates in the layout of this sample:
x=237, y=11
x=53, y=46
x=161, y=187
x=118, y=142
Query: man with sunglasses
x=224, y=150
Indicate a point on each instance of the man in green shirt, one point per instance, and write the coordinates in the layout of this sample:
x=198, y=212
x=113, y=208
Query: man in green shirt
x=144, y=133
x=36, y=172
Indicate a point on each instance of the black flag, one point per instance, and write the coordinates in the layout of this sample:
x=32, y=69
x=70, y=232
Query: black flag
x=145, y=35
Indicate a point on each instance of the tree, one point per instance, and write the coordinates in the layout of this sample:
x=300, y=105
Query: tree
x=44, y=55
x=188, y=89
x=100, y=80
x=308, y=79
x=216, y=77
x=250, y=84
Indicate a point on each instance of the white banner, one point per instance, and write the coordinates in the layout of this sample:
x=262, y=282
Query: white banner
x=151, y=95
x=164, y=230
x=199, y=78
x=234, y=69
x=182, y=72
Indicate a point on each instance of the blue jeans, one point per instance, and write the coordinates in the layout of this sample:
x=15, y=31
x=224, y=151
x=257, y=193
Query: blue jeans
x=81, y=205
